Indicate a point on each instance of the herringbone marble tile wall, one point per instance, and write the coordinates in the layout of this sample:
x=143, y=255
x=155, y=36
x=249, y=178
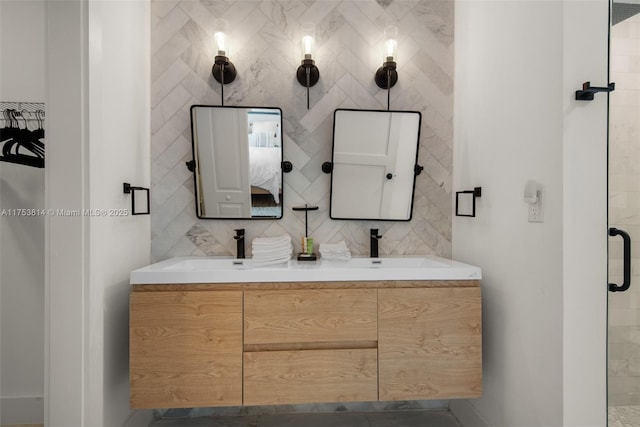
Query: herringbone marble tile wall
x=265, y=38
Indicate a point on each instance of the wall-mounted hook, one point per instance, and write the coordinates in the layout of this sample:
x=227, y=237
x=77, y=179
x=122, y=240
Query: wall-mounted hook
x=476, y=192
x=586, y=94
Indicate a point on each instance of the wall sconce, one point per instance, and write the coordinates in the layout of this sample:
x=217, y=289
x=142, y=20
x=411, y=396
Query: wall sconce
x=387, y=76
x=223, y=70
x=308, y=74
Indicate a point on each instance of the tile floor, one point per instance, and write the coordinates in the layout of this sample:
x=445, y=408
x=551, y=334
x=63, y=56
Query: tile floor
x=624, y=416
x=414, y=418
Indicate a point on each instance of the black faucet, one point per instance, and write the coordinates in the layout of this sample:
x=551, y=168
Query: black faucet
x=239, y=243
x=373, y=238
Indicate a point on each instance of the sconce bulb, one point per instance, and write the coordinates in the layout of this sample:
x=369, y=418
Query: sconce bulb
x=221, y=43
x=391, y=49
x=307, y=46
x=390, y=43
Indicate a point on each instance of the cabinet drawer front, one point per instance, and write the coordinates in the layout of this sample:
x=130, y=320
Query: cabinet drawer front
x=430, y=343
x=277, y=377
x=310, y=316
x=185, y=349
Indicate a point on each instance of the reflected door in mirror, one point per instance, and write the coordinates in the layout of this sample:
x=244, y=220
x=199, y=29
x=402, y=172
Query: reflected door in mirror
x=224, y=185
x=238, y=157
x=374, y=159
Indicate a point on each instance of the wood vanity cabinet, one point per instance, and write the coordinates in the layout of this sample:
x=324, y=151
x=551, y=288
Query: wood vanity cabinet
x=286, y=343
x=185, y=349
x=429, y=343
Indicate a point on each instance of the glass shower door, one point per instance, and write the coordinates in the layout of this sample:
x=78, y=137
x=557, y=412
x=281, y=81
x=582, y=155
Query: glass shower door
x=624, y=217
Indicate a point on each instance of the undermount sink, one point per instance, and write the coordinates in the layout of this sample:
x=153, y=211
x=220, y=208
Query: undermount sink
x=231, y=270
x=408, y=262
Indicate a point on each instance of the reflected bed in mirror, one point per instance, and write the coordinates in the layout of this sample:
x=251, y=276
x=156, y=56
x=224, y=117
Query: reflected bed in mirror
x=375, y=155
x=237, y=153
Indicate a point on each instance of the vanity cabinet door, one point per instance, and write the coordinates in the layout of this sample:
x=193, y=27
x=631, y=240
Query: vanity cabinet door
x=185, y=349
x=430, y=343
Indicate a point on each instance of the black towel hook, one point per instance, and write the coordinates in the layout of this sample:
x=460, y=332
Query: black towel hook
x=586, y=94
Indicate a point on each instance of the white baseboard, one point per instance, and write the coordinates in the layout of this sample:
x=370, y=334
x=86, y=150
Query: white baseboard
x=467, y=414
x=21, y=410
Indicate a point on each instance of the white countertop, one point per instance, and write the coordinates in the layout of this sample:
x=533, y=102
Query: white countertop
x=231, y=270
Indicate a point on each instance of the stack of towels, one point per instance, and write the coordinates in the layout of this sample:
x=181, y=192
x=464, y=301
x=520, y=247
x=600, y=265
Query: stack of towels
x=335, y=251
x=271, y=250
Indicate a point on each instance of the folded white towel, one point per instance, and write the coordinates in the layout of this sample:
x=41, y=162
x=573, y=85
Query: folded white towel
x=274, y=248
x=335, y=251
x=275, y=255
x=271, y=250
x=279, y=251
x=269, y=241
x=339, y=247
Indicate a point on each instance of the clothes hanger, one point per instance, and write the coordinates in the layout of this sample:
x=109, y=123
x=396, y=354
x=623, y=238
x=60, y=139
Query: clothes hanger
x=20, y=145
x=8, y=131
x=28, y=138
x=39, y=133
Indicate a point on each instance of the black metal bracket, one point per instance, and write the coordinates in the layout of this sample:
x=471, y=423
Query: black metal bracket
x=129, y=189
x=587, y=92
x=476, y=192
x=308, y=75
x=286, y=166
x=327, y=167
x=417, y=170
x=191, y=165
x=224, y=72
x=386, y=76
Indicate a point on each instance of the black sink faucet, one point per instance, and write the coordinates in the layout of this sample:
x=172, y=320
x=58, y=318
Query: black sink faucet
x=373, y=239
x=239, y=243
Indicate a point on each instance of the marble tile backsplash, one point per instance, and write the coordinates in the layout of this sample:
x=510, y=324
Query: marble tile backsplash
x=624, y=212
x=265, y=50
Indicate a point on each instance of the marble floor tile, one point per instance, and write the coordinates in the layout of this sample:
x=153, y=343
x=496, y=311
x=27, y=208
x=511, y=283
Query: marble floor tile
x=412, y=418
x=415, y=418
x=624, y=416
x=314, y=420
x=230, y=421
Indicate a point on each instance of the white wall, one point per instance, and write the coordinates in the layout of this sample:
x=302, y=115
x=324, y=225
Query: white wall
x=22, y=62
x=585, y=216
x=120, y=141
x=23, y=59
x=518, y=65
x=99, y=97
